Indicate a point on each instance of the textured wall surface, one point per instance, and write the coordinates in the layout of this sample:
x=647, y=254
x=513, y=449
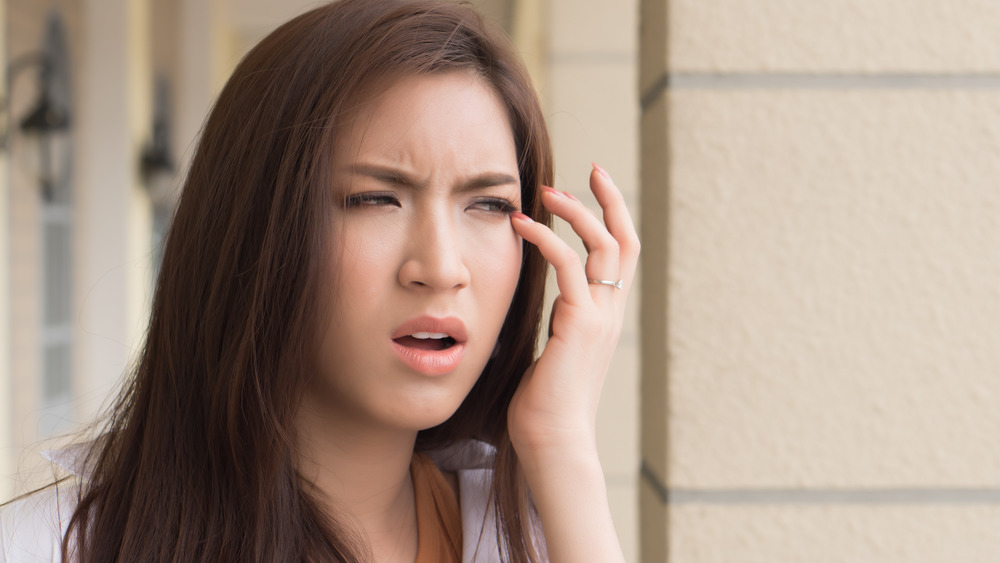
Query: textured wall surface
x=820, y=336
x=835, y=534
x=836, y=35
x=835, y=289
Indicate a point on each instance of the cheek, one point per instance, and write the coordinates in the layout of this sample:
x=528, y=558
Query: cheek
x=496, y=259
x=363, y=258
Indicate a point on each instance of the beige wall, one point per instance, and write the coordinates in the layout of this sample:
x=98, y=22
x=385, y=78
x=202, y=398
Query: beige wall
x=591, y=106
x=112, y=210
x=821, y=233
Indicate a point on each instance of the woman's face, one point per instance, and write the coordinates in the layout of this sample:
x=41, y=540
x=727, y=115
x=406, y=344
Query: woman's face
x=425, y=261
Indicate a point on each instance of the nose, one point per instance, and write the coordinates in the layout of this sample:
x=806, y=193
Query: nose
x=434, y=257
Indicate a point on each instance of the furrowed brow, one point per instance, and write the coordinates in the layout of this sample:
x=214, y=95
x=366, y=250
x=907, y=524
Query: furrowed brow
x=394, y=176
x=489, y=180
x=384, y=174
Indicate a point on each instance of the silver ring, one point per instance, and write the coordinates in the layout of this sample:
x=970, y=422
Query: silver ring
x=620, y=284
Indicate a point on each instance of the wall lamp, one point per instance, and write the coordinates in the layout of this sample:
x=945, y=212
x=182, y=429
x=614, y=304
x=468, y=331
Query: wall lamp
x=156, y=161
x=47, y=124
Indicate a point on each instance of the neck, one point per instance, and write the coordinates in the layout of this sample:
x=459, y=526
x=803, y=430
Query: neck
x=364, y=472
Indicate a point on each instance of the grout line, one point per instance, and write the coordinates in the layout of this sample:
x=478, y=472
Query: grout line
x=648, y=475
x=654, y=92
x=821, y=497
x=775, y=496
x=818, y=81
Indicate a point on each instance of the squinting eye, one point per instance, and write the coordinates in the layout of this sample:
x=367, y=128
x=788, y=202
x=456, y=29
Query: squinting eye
x=495, y=205
x=371, y=199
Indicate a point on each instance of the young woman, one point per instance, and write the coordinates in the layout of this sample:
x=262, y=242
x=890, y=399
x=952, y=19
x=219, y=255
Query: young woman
x=340, y=363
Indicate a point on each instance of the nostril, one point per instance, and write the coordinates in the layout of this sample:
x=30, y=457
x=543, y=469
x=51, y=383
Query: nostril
x=433, y=261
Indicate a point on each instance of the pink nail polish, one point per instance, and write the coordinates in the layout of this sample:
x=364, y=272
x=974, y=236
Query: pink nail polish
x=522, y=217
x=601, y=170
x=571, y=196
x=551, y=190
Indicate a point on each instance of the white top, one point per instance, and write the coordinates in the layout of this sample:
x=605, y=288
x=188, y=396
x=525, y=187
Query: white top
x=31, y=529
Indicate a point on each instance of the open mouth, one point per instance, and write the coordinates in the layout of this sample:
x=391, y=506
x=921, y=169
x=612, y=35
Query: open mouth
x=426, y=341
x=431, y=345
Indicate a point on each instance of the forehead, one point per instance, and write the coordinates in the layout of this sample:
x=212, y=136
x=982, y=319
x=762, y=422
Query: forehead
x=453, y=116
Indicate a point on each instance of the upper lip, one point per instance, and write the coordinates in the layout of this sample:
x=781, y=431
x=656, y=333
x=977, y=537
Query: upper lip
x=452, y=326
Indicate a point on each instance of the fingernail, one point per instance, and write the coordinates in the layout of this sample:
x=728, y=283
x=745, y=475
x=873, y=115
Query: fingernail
x=552, y=190
x=601, y=171
x=521, y=216
x=571, y=196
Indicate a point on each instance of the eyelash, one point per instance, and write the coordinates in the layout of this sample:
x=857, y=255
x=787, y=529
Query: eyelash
x=377, y=199
x=500, y=205
x=371, y=199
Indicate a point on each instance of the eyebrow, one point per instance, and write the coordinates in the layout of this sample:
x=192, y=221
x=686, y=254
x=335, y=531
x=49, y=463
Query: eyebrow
x=392, y=175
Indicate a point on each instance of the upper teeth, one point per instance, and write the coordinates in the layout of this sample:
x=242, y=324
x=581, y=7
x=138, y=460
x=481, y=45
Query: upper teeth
x=426, y=335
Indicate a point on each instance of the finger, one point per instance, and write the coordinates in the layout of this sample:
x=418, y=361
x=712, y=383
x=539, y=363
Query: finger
x=618, y=221
x=602, y=248
x=569, y=270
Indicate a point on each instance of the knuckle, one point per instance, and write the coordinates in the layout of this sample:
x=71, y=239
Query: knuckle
x=619, y=197
x=608, y=241
x=570, y=258
x=632, y=245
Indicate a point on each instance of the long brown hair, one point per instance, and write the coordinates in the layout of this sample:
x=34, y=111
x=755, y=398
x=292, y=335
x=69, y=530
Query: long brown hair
x=197, y=461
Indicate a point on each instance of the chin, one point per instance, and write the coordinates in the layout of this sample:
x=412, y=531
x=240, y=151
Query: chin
x=415, y=413
x=423, y=420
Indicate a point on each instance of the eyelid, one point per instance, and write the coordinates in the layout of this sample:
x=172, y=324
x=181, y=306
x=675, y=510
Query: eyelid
x=506, y=206
x=371, y=199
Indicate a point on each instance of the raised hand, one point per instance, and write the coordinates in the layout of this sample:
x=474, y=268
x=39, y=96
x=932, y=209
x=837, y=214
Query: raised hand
x=551, y=419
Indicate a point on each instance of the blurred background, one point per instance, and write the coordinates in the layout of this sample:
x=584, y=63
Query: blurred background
x=810, y=370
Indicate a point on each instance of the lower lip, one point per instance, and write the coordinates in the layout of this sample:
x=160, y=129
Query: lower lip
x=430, y=362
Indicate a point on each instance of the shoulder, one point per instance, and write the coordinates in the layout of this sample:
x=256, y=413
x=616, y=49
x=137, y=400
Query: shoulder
x=32, y=527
